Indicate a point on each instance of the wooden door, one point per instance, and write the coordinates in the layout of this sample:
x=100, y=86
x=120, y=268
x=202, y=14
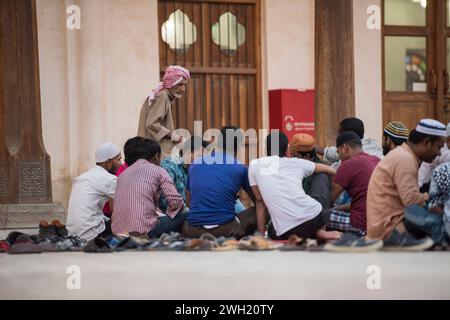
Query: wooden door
x=415, y=78
x=442, y=13
x=219, y=42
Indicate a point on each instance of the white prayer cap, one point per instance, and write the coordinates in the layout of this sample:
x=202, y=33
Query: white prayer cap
x=106, y=151
x=432, y=127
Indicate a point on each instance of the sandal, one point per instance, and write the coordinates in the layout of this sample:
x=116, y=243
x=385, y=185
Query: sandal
x=207, y=242
x=294, y=243
x=256, y=243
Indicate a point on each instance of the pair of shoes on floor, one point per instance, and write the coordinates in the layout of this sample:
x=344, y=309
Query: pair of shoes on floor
x=397, y=241
x=351, y=242
x=23, y=244
x=53, y=231
x=296, y=243
x=166, y=242
x=98, y=245
x=16, y=236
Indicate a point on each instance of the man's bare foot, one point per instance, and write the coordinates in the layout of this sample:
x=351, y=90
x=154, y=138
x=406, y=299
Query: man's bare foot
x=328, y=235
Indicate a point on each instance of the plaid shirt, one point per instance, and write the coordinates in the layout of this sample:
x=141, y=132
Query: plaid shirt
x=370, y=146
x=137, y=192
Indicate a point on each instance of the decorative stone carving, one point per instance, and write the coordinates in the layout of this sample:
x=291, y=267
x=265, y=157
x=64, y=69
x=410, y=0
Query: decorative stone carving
x=32, y=177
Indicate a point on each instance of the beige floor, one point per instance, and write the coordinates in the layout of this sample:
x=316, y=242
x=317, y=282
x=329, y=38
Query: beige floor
x=231, y=275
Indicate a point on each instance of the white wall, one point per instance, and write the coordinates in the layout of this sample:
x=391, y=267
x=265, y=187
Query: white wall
x=93, y=80
x=290, y=44
x=368, y=76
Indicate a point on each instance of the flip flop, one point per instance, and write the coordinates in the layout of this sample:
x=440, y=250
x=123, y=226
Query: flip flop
x=228, y=245
x=294, y=243
x=207, y=242
x=256, y=243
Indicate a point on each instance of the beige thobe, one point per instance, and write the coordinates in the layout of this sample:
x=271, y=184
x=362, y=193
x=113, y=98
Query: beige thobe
x=156, y=122
x=392, y=188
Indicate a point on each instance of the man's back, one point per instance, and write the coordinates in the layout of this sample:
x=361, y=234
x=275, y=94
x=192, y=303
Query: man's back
x=280, y=182
x=137, y=194
x=213, y=188
x=90, y=191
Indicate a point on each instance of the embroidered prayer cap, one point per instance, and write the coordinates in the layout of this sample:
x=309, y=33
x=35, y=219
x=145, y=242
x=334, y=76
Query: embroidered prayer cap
x=106, y=151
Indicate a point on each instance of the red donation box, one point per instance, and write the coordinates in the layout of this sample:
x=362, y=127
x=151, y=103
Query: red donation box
x=292, y=111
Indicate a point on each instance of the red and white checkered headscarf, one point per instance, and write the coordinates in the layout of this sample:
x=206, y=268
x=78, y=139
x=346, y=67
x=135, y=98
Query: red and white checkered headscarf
x=173, y=76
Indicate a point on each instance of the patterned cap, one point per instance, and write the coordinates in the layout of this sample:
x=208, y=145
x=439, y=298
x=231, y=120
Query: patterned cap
x=397, y=129
x=432, y=127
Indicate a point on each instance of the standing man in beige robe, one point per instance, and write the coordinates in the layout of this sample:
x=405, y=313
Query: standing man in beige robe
x=156, y=120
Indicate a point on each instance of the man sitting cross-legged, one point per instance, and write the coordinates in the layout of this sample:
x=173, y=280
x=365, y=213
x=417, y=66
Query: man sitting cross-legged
x=276, y=183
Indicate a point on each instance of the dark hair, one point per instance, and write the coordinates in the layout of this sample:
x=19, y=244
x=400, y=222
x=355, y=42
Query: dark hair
x=129, y=150
x=140, y=148
x=395, y=140
x=353, y=124
x=416, y=137
x=237, y=140
x=349, y=138
x=283, y=143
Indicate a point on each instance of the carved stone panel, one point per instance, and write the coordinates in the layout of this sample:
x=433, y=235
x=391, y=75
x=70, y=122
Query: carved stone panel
x=4, y=178
x=32, y=178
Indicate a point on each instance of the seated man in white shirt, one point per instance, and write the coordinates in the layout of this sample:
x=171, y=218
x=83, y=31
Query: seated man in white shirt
x=90, y=191
x=276, y=182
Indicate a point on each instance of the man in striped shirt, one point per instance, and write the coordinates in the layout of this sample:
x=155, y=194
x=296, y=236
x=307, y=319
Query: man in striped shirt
x=137, y=192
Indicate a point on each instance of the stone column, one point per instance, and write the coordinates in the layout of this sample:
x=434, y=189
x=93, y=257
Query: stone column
x=25, y=177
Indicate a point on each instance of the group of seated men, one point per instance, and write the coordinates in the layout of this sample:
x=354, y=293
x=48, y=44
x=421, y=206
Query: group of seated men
x=397, y=193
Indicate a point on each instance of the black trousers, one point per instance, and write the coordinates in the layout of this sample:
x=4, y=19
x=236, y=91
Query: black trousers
x=320, y=191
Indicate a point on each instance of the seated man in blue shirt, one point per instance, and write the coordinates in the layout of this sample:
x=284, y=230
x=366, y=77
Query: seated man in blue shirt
x=213, y=182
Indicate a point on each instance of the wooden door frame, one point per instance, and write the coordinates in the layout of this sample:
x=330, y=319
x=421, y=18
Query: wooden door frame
x=250, y=71
x=436, y=62
x=442, y=34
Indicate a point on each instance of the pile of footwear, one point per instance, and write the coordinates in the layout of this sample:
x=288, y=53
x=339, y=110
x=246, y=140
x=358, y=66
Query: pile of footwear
x=52, y=237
